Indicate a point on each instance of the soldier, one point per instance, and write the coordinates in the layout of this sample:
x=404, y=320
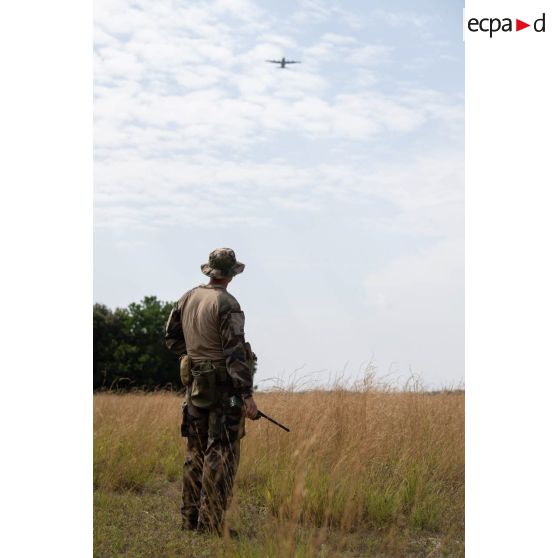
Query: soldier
x=206, y=330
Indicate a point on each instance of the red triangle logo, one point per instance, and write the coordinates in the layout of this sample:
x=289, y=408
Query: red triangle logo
x=519, y=25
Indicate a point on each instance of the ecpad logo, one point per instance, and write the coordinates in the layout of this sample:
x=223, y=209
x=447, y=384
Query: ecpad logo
x=493, y=25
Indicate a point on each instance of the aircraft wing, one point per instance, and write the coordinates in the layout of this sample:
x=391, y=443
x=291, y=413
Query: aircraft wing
x=292, y=61
x=274, y=61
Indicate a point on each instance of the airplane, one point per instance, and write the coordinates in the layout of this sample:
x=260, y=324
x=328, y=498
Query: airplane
x=283, y=62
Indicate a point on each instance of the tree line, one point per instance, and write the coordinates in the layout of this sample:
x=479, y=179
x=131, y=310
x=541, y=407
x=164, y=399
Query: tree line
x=128, y=347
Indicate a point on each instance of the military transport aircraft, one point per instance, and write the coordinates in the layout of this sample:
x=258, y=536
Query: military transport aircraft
x=283, y=62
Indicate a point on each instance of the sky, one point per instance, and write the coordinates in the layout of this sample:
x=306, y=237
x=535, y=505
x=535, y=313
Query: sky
x=339, y=181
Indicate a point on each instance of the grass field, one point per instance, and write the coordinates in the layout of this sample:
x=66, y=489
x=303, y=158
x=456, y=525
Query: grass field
x=364, y=472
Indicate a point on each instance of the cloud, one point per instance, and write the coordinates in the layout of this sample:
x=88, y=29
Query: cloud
x=185, y=107
x=320, y=11
x=437, y=220
x=212, y=118
x=278, y=41
x=421, y=288
x=368, y=55
x=426, y=180
x=425, y=195
x=417, y=304
x=344, y=50
x=180, y=79
x=403, y=18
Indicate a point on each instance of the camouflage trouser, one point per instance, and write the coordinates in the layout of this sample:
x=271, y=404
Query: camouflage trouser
x=210, y=466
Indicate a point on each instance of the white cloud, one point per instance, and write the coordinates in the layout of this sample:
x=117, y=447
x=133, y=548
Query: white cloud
x=438, y=220
x=426, y=180
x=312, y=11
x=282, y=41
x=425, y=194
x=410, y=284
x=296, y=203
x=337, y=39
x=319, y=11
x=211, y=118
x=368, y=55
x=417, y=304
x=401, y=18
x=179, y=78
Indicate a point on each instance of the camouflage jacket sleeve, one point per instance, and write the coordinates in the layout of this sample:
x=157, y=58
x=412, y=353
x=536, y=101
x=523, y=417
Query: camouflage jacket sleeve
x=237, y=355
x=174, y=336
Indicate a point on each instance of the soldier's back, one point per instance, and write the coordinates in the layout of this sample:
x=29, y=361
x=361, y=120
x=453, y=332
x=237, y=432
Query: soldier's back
x=202, y=308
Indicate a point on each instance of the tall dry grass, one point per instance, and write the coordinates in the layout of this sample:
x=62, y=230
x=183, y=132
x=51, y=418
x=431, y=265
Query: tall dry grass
x=354, y=459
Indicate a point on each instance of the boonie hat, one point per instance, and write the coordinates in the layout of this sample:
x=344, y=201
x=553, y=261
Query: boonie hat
x=222, y=263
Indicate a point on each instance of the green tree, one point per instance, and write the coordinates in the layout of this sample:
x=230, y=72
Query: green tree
x=128, y=346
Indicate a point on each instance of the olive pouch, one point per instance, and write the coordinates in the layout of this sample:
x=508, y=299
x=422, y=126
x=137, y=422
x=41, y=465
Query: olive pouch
x=204, y=385
x=185, y=369
x=233, y=419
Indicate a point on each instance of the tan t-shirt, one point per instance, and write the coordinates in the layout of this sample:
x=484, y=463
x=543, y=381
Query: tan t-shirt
x=201, y=324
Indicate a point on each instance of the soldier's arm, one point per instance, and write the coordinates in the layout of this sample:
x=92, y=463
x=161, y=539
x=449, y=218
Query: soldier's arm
x=174, y=336
x=237, y=360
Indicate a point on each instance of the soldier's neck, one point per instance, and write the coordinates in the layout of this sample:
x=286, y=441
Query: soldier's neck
x=218, y=283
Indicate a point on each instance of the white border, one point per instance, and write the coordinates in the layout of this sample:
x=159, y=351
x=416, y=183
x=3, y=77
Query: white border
x=511, y=284
x=46, y=220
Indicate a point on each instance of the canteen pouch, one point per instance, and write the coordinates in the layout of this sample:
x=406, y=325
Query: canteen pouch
x=234, y=419
x=204, y=385
x=226, y=422
x=185, y=369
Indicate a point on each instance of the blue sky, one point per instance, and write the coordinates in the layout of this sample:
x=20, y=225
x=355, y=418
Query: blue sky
x=339, y=181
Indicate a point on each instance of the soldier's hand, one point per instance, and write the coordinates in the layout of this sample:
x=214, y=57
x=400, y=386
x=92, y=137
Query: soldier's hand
x=251, y=408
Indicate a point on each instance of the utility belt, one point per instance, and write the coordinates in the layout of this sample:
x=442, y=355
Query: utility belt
x=210, y=388
x=207, y=380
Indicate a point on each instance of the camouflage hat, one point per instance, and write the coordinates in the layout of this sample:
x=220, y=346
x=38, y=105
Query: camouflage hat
x=222, y=263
